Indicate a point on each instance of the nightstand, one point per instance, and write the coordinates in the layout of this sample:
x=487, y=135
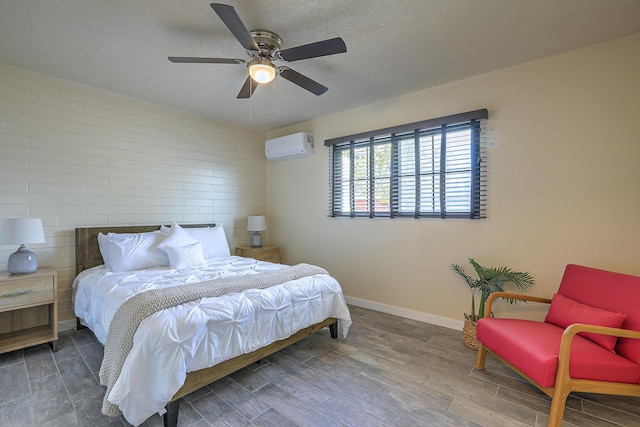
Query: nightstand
x=28, y=309
x=264, y=253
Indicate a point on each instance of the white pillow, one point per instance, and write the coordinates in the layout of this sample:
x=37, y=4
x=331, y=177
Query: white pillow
x=189, y=256
x=176, y=237
x=135, y=251
x=213, y=240
x=102, y=244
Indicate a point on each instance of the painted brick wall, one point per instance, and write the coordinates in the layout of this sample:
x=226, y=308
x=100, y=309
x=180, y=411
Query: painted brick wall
x=78, y=156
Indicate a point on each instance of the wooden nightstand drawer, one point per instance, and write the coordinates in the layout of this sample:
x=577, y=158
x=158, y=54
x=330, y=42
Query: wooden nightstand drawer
x=27, y=291
x=270, y=255
x=265, y=253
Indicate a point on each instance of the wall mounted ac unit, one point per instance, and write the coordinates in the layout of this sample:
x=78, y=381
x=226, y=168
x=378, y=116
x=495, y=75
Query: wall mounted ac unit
x=289, y=146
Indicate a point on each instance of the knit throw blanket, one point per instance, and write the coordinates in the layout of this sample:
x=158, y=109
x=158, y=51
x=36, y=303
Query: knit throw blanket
x=134, y=310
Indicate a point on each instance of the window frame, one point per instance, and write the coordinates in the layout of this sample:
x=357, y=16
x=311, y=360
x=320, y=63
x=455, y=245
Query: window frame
x=472, y=121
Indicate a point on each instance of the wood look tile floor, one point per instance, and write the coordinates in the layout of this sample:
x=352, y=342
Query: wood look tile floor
x=389, y=371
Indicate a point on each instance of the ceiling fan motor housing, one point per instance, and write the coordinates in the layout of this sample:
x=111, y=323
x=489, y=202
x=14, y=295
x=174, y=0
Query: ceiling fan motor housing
x=268, y=41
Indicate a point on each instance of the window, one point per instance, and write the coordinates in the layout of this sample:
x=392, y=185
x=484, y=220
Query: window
x=429, y=169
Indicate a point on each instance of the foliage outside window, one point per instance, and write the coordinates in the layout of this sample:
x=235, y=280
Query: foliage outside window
x=434, y=168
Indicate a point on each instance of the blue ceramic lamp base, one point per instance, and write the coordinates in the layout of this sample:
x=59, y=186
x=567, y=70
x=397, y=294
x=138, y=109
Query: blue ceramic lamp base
x=256, y=240
x=22, y=261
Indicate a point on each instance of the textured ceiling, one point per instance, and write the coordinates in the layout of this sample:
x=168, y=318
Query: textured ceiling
x=394, y=47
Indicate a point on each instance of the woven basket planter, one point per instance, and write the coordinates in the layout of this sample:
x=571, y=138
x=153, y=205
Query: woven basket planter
x=469, y=332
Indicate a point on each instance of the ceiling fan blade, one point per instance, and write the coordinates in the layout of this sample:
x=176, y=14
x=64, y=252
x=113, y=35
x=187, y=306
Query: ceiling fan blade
x=234, y=23
x=194, y=60
x=303, y=81
x=314, y=50
x=248, y=88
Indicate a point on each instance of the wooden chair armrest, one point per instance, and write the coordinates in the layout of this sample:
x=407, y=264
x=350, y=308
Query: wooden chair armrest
x=511, y=295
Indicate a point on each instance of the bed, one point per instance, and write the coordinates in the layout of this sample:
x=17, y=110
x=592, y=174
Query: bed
x=201, y=339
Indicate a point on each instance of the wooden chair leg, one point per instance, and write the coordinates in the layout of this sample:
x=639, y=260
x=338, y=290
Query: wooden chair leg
x=558, y=402
x=482, y=357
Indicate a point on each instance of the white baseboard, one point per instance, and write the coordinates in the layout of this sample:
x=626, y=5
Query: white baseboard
x=409, y=314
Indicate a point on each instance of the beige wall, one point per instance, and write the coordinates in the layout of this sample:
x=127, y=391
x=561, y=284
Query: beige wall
x=564, y=148
x=77, y=156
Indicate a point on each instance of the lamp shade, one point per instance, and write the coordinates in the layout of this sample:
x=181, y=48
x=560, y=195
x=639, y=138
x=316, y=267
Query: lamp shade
x=256, y=223
x=19, y=231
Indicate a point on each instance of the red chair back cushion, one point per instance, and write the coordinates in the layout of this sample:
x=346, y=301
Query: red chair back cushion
x=615, y=292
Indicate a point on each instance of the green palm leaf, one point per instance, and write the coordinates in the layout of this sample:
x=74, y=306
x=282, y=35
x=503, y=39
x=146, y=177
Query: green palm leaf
x=491, y=280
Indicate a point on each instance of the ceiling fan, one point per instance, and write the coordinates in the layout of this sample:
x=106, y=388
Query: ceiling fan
x=264, y=49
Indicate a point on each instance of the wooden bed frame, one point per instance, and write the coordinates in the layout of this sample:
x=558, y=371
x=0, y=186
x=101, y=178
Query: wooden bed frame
x=88, y=255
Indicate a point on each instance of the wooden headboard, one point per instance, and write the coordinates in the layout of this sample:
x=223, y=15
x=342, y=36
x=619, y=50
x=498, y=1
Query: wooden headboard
x=87, y=250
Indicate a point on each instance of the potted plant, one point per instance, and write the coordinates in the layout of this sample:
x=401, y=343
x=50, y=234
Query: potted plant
x=489, y=280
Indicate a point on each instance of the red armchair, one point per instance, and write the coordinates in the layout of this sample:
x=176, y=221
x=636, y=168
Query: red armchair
x=589, y=341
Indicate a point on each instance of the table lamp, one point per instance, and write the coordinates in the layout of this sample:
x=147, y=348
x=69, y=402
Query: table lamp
x=256, y=223
x=21, y=231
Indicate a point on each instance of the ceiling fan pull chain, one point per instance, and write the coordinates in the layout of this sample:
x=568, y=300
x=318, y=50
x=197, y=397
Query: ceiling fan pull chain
x=275, y=83
x=250, y=101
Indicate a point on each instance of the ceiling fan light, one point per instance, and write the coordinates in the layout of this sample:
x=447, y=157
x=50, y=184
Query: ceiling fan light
x=262, y=73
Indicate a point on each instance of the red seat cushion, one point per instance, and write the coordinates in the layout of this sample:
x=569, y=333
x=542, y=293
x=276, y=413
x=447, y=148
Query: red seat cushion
x=565, y=311
x=533, y=347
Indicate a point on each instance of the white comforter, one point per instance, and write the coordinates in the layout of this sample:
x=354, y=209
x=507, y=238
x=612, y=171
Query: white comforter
x=201, y=333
